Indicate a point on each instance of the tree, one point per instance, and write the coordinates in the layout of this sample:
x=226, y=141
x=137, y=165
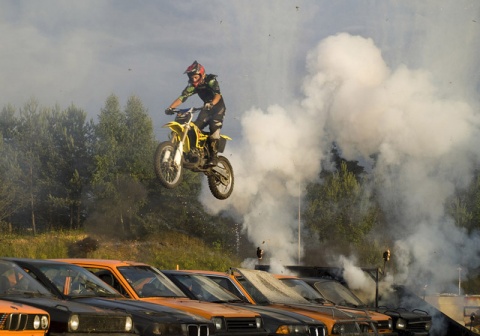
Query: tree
x=140, y=141
x=464, y=207
x=123, y=164
x=12, y=195
x=338, y=210
x=70, y=166
x=30, y=144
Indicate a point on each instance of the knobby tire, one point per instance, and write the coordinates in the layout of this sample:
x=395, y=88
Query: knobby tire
x=221, y=187
x=169, y=174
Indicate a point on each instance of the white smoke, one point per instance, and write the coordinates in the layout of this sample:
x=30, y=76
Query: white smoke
x=424, y=143
x=279, y=156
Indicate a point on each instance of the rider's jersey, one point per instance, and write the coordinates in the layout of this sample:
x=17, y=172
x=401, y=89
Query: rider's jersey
x=206, y=91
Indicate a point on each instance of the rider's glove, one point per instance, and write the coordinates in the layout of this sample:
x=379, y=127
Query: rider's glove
x=169, y=111
x=208, y=106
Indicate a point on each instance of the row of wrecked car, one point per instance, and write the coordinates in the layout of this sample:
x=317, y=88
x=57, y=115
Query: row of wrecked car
x=110, y=297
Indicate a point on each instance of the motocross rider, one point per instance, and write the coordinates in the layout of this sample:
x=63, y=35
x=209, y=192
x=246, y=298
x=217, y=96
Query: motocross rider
x=208, y=89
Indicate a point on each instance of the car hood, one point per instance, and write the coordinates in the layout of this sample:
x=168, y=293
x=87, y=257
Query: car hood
x=280, y=314
x=330, y=313
x=202, y=308
x=406, y=315
x=136, y=307
x=51, y=303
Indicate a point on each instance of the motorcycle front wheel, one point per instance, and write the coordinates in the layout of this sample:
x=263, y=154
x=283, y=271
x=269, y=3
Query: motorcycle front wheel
x=169, y=174
x=220, y=179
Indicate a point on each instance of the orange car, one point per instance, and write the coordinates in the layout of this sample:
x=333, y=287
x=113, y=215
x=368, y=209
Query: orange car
x=19, y=319
x=384, y=323
x=143, y=282
x=262, y=288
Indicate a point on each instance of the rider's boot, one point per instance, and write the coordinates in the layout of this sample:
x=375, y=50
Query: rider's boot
x=213, y=152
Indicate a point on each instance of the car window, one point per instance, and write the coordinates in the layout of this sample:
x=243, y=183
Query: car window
x=147, y=281
x=337, y=293
x=272, y=289
x=73, y=281
x=229, y=285
x=109, y=278
x=304, y=289
x=14, y=280
x=203, y=288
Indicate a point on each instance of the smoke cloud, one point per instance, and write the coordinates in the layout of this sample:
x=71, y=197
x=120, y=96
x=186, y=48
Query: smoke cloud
x=424, y=143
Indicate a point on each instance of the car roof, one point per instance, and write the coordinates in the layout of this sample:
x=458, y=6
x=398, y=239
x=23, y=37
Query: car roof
x=107, y=262
x=32, y=261
x=197, y=271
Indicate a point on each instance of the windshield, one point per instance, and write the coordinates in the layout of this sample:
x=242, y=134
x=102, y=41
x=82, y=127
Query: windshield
x=75, y=281
x=203, y=288
x=264, y=287
x=148, y=281
x=337, y=293
x=304, y=289
x=15, y=281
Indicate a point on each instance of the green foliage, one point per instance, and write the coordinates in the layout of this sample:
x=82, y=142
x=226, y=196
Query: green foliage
x=123, y=168
x=339, y=209
x=465, y=206
x=12, y=195
x=44, y=165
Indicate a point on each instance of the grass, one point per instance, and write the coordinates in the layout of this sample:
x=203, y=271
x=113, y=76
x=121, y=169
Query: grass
x=166, y=251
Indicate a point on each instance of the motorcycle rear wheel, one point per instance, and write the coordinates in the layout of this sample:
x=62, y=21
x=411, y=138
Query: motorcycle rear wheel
x=169, y=174
x=221, y=179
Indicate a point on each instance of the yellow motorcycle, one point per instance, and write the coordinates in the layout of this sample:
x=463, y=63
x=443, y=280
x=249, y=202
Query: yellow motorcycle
x=188, y=148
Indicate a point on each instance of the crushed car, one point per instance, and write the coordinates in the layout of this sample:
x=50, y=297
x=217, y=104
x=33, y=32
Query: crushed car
x=146, y=283
x=66, y=318
x=276, y=321
x=75, y=284
x=262, y=288
x=384, y=323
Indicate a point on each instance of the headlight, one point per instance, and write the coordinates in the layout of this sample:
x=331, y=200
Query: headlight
x=338, y=329
x=258, y=321
x=218, y=321
x=73, y=323
x=36, y=322
x=428, y=325
x=390, y=324
x=291, y=329
x=401, y=324
x=44, y=322
x=128, y=324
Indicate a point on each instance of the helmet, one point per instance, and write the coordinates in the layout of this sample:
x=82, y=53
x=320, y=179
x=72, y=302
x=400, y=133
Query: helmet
x=195, y=69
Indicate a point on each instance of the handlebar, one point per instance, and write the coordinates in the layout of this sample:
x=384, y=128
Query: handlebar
x=185, y=110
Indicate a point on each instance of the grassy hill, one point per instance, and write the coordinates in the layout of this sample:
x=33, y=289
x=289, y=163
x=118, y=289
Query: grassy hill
x=167, y=250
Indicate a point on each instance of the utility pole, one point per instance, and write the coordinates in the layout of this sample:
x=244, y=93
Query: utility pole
x=299, y=219
x=459, y=281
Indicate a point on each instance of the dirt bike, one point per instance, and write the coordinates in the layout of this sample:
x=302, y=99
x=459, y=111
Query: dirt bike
x=188, y=148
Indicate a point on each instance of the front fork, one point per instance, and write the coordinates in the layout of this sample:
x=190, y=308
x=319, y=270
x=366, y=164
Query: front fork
x=178, y=153
x=178, y=145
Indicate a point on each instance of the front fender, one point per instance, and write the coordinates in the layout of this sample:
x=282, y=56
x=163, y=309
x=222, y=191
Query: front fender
x=175, y=127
